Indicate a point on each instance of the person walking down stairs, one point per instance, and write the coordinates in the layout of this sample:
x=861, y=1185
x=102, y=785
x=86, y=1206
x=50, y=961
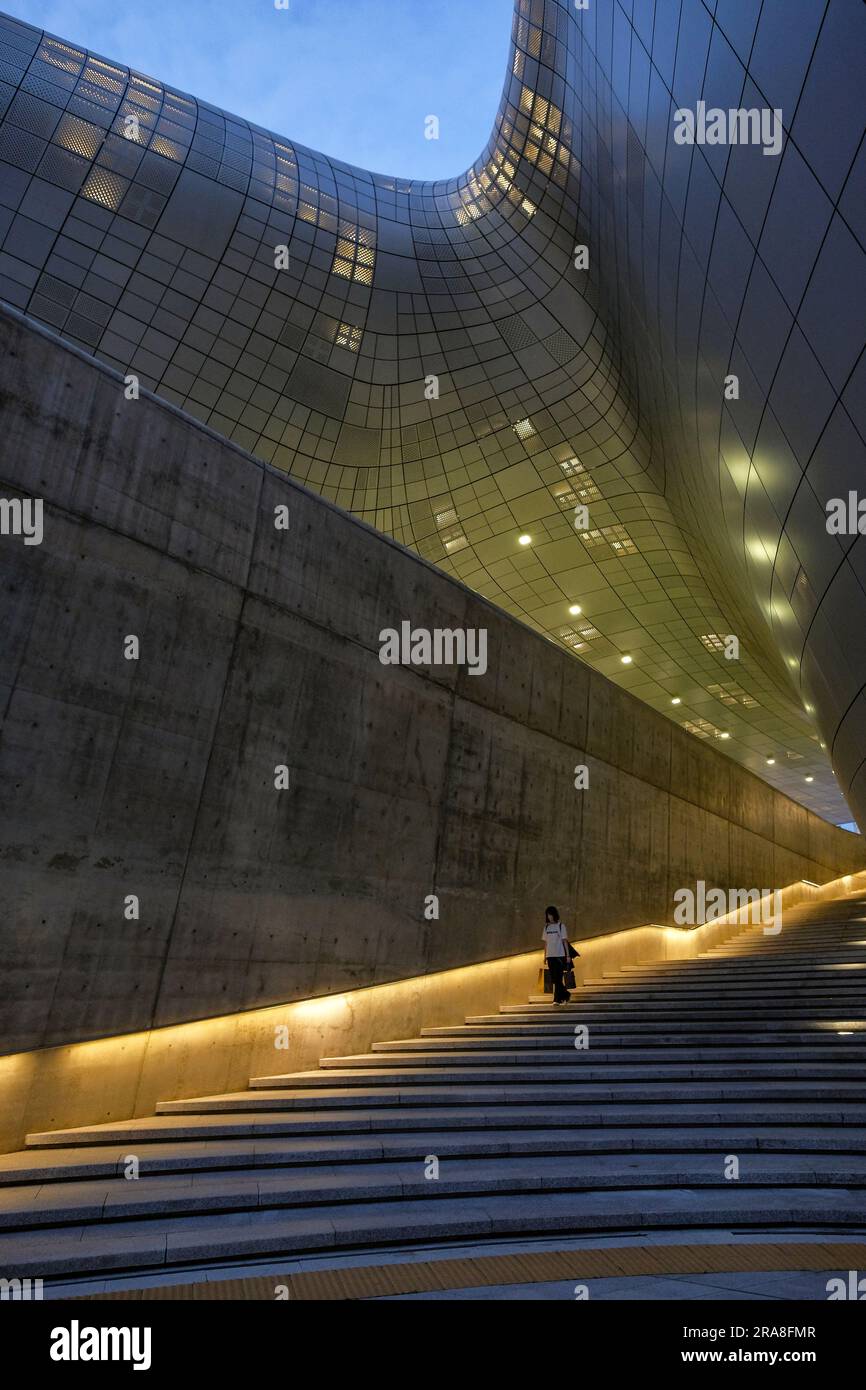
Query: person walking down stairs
x=557, y=952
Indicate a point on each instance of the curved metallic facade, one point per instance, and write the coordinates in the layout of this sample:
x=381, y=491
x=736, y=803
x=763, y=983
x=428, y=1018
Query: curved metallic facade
x=144, y=226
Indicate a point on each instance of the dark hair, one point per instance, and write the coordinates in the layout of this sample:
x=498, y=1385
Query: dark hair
x=551, y=914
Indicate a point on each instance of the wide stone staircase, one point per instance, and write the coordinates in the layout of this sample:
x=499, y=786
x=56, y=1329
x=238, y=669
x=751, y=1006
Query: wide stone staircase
x=720, y=1093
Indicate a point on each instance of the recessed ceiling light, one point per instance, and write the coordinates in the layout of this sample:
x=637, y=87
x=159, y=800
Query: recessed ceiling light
x=724, y=735
x=575, y=609
x=525, y=540
x=676, y=700
x=770, y=762
x=810, y=779
x=626, y=660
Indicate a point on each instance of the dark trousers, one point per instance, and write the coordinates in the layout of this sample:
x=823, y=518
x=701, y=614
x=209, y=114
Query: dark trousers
x=557, y=965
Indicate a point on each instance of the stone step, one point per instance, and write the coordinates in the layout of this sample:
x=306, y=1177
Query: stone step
x=108, y=1160
x=193, y=1126
x=744, y=999
x=170, y=1196
x=775, y=992
x=842, y=1050
x=827, y=976
x=851, y=960
x=684, y=1011
x=820, y=987
x=799, y=946
x=578, y=1065
x=780, y=996
x=733, y=1007
x=780, y=948
x=558, y=1020
x=150, y=1244
x=797, y=951
x=363, y=1091
x=502, y=1034
x=795, y=967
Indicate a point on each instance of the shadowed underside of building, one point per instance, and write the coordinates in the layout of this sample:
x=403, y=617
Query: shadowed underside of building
x=557, y=386
x=434, y=359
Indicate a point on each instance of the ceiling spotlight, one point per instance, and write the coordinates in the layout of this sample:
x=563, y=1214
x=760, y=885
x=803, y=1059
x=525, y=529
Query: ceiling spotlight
x=676, y=700
x=575, y=609
x=770, y=762
x=724, y=735
x=525, y=540
x=810, y=779
x=626, y=660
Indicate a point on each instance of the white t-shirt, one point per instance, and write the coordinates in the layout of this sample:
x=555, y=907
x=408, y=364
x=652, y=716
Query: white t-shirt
x=554, y=937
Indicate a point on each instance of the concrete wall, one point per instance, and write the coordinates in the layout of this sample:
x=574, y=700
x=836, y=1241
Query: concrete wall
x=155, y=777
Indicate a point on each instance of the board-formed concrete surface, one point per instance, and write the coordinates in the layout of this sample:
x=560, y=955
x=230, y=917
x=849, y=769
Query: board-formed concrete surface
x=153, y=779
x=724, y=1092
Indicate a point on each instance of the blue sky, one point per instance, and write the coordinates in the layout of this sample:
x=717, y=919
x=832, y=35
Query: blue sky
x=353, y=78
